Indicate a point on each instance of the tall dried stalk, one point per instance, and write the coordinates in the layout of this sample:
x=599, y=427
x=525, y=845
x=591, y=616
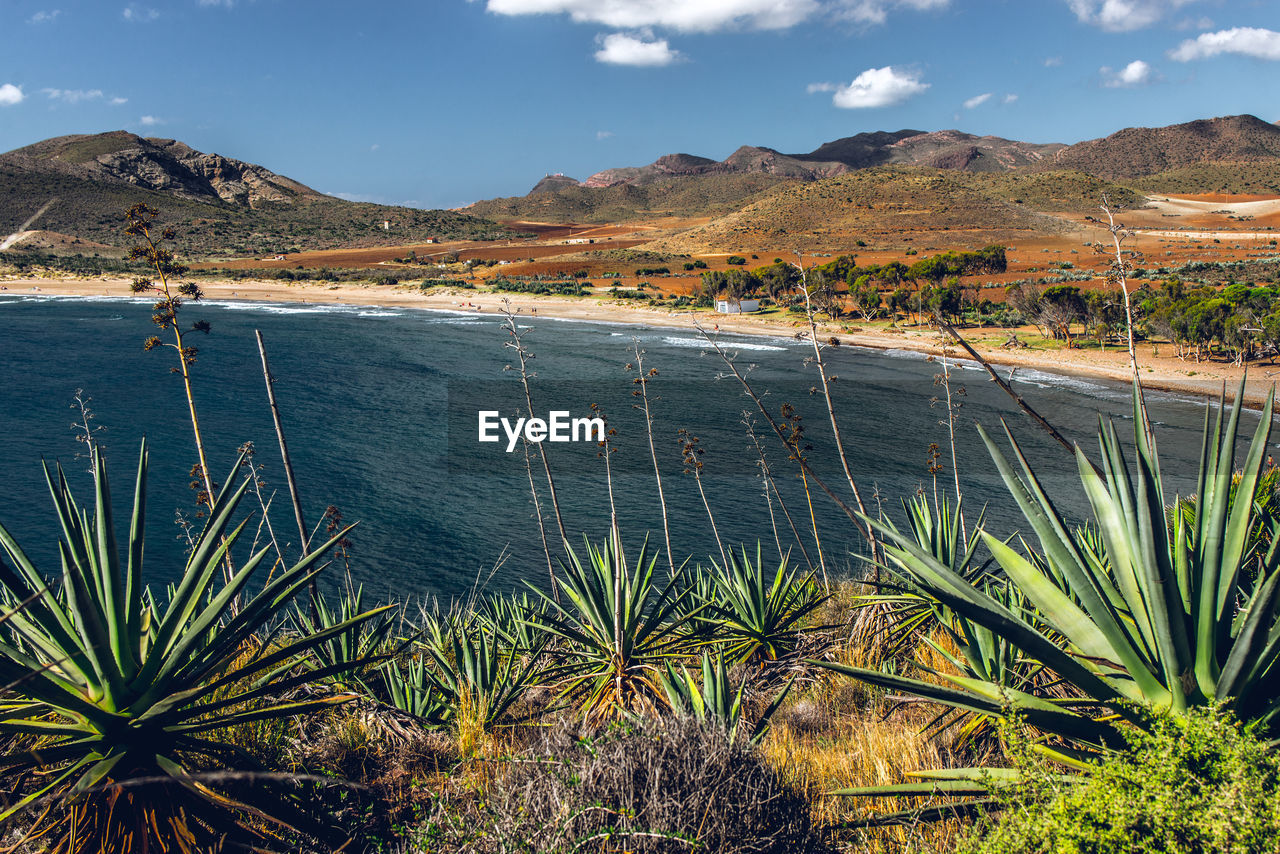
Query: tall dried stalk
x=767, y=470
x=84, y=428
x=139, y=220
x=1005, y=387
x=165, y=314
x=1119, y=274
x=643, y=393
x=765, y=479
x=690, y=453
x=795, y=443
x=944, y=380
x=524, y=356
x=304, y=541
x=542, y=528
x=831, y=410
x=777, y=430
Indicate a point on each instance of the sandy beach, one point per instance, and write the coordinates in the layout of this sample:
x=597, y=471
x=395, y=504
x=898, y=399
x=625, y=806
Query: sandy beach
x=1159, y=368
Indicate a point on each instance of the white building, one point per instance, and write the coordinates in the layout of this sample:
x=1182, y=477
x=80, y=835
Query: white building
x=746, y=306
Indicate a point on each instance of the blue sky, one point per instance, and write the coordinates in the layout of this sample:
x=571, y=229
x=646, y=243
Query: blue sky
x=438, y=103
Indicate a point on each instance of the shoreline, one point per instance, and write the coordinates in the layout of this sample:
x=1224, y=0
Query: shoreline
x=1159, y=372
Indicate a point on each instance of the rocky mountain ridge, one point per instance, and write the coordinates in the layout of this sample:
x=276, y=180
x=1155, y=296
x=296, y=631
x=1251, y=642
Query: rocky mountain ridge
x=1129, y=153
x=163, y=165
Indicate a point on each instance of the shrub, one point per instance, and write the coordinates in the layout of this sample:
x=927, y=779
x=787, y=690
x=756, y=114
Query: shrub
x=735, y=260
x=1199, y=784
x=643, y=787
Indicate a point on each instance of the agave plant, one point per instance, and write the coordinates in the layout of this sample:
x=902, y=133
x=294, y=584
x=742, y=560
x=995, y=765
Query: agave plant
x=714, y=699
x=473, y=669
x=909, y=613
x=111, y=687
x=360, y=646
x=1148, y=616
x=412, y=690
x=617, y=628
x=514, y=620
x=757, y=614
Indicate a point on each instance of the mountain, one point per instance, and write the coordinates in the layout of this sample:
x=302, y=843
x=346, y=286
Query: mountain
x=948, y=149
x=80, y=186
x=685, y=184
x=1137, y=152
x=1210, y=155
x=164, y=165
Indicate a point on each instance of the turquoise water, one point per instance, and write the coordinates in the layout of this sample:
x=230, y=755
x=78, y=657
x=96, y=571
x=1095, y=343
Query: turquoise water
x=380, y=407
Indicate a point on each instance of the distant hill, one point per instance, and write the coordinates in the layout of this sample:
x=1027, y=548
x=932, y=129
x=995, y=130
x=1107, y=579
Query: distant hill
x=900, y=206
x=1190, y=156
x=686, y=195
x=219, y=206
x=950, y=149
x=1137, y=152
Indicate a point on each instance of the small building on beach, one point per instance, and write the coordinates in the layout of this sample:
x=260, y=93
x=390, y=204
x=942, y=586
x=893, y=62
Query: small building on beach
x=746, y=306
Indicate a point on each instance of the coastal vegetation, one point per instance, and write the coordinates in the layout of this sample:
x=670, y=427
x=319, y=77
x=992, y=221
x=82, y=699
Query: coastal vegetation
x=977, y=684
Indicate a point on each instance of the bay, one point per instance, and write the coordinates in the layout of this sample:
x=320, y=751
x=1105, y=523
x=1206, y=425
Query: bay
x=380, y=407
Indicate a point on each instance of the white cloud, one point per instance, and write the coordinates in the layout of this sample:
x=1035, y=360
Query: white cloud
x=375, y=146
x=1136, y=73
x=150, y=121
x=73, y=96
x=877, y=11
x=683, y=15
x=603, y=134
x=639, y=50
x=139, y=14
x=117, y=101
x=1010, y=98
x=1246, y=41
x=1052, y=61
x=226, y=4
x=879, y=87
x=821, y=87
x=977, y=100
x=1120, y=16
x=43, y=17
x=10, y=95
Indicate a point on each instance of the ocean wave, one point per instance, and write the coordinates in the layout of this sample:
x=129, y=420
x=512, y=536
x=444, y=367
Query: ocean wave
x=701, y=344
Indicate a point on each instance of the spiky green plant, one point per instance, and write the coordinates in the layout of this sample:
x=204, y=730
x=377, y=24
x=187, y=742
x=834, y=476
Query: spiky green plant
x=111, y=687
x=361, y=646
x=910, y=614
x=412, y=690
x=471, y=668
x=714, y=698
x=1157, y=618
x=617, y=627
x=758, y=614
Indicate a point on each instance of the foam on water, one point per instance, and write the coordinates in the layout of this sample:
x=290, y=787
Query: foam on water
x=701, y=344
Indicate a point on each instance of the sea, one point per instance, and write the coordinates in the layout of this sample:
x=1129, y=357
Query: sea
x=381, y=409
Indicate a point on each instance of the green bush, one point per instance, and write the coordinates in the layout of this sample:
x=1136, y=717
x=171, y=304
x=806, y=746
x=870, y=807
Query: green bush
x=1194, y=785
x=736, y=260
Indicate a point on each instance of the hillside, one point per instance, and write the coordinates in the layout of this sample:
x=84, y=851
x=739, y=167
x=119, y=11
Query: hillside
x=900, y=207
x=1138, y=152
x=219, y=206
x=1246, y=178
x=693, y=195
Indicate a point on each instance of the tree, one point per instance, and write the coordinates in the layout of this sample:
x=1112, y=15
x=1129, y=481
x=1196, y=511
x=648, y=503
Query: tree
x=866, y=297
